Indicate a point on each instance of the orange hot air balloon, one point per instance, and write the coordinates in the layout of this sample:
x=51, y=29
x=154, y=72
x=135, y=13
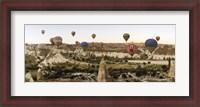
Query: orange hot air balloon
x=157, y=38
x=93, y=36
x=132, y=49
x=43, y=31
x=73, y=33
x=126, y=36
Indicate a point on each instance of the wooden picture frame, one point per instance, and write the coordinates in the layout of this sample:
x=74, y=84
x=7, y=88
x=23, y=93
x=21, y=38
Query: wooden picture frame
x=193, y=100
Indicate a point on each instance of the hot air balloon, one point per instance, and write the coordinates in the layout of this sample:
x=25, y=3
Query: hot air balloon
x=73, y=33
x=132, y=49
x=151, y=44
x=57, y=40
x=126, y=36
x=43, y=31
x=77, y=43
x=157, y=38
x=51, y=40
x=93, y=36
x=84, y=44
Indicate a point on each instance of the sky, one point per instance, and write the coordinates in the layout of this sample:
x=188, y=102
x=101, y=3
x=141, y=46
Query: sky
x=104, y=33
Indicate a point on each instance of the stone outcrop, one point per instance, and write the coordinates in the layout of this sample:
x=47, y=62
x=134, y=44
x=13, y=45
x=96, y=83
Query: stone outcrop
x=103, y=75
x=171, y=73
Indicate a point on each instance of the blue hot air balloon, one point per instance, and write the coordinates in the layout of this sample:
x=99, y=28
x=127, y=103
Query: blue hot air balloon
x=151, y=44
x=84, y=44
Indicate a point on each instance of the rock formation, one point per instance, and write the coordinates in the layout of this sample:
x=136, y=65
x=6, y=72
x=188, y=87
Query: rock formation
x=103, y=72
x=171, y=73
x=42, y=50
x=45, y=62
x=28, y=77
x=39, y=74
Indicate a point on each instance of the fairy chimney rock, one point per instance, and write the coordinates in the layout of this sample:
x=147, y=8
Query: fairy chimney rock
x=172, y=70
x=103, y=72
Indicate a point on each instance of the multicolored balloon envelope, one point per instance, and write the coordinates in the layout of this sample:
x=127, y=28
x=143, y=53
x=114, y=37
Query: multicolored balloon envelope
x=151, y=44
x=84, y=44
x=132, y=49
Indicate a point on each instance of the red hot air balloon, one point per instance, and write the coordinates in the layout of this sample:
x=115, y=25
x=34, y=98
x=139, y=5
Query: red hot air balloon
x=132, y=49
x=157, y=38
